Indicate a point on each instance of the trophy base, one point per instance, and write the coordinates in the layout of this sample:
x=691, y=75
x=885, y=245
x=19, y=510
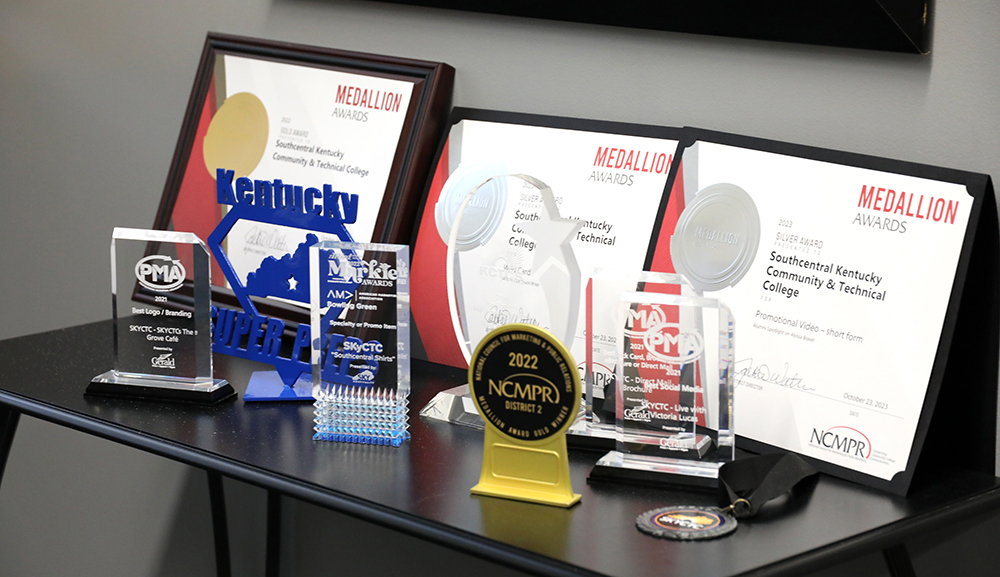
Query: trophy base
x=654, y=471
x=538, y=497
x=268, y=386
x=150, y=388
x=455, y=406
x=584, y=434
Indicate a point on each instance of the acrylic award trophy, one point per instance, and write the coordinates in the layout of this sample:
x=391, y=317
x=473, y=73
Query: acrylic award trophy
x=360, y=319
x=161, y=352
x=602, y=297
x=509, y=260
x=673, y=401
x=673, y=395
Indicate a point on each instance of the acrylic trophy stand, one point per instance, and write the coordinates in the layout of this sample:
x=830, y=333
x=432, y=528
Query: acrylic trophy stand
x=509, y=260
x=602, y=297
x=360, y=320
x=673, y=389
x=161, y=353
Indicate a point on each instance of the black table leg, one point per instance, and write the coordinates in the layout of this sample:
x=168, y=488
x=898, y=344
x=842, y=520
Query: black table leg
x=220, y=528
x=897, y=559
x=8, y=426
x=273, y=563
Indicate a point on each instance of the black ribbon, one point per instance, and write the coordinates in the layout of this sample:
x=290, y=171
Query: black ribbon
x=746, y=484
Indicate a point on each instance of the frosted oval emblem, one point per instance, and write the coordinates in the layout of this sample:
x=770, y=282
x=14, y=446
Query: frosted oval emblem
x=482, y=216
x=716, y=237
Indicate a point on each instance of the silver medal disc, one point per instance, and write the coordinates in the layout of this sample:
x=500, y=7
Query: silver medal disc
x=716, y=237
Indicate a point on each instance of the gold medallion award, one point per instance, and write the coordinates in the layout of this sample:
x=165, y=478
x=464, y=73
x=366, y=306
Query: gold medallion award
x=526, y=387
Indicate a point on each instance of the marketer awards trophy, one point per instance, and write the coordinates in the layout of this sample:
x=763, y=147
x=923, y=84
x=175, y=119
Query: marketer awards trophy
x=509, y=260
x=161, y=301
x=360, y=320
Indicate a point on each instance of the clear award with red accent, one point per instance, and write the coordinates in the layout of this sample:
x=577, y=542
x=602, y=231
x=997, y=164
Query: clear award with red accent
x=602, y=295
x=672, y=395
x=161, y=301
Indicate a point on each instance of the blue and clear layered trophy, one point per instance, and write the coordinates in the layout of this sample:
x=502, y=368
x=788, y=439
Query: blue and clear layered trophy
x=360, y=318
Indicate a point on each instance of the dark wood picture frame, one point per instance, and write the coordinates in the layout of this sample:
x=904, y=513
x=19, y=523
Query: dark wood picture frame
x=425, y=120
x=891, y=25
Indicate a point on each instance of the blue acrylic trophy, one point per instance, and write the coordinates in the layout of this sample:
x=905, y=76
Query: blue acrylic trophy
x=246, y=333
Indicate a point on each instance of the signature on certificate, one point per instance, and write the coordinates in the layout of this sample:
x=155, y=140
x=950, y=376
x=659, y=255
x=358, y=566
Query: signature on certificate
x=747, y=371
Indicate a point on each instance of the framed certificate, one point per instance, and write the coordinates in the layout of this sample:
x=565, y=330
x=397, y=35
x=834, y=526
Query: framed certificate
x=857, y=343
x=302, y=117
x=864, y=291
x=611, y=178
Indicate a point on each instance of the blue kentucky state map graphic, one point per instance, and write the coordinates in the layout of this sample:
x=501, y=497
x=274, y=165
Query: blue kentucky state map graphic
x=287, y=277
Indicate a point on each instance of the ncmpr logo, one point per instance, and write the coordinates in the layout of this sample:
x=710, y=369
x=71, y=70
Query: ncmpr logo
x=842, y=439
x=160, y=273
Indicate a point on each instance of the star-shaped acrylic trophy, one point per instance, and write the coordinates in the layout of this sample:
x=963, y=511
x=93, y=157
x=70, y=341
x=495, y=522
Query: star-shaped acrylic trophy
x=509, y=260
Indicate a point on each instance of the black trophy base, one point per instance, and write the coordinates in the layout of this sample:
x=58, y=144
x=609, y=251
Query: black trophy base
x=108, y=385
x=611, y=470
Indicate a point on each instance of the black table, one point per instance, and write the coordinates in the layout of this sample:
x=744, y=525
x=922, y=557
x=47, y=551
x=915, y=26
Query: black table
x=422, y=488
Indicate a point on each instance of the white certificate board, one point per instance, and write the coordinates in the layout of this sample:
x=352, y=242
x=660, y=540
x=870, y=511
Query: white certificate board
x=610, y=176
x=845, y=317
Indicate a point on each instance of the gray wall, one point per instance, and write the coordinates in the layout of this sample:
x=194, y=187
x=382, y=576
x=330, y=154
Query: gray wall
x=91, y=101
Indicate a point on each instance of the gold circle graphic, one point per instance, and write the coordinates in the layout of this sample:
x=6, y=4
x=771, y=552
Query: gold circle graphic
x=237, y=135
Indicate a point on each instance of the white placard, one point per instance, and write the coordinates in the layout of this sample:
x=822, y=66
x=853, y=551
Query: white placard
x=612, y=182
x=838, y=320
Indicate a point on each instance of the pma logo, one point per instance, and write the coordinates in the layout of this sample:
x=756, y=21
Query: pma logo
x=841, y=439
x=164, y=361
x=669, y=343
x=160, y=273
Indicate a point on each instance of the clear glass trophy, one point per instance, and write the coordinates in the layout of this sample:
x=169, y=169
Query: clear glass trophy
x=602, y=297
x=672, y=391
x=360, y=321
x=509, y=260
x=161, y=302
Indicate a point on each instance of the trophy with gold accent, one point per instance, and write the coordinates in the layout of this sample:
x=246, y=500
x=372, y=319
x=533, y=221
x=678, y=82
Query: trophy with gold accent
x=526, y=387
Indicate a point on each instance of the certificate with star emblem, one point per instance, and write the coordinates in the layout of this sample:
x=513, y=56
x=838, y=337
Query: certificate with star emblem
x=607, y=183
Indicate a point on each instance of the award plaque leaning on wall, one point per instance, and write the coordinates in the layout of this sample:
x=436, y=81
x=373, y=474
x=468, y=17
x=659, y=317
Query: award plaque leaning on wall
x=862, y=340
x=300, y=117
